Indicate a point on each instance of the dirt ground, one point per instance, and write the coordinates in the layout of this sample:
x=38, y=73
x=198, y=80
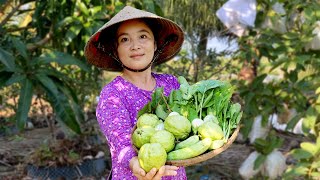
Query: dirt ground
x=15, y=149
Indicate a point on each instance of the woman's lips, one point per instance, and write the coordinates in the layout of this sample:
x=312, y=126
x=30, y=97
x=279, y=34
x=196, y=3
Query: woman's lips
x=136, y=55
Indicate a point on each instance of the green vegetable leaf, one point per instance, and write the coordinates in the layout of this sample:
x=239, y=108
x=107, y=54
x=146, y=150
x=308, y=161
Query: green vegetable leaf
x=182, y=80
x=203, y=86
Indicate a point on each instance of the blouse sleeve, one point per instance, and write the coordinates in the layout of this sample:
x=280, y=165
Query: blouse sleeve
x=114, y=120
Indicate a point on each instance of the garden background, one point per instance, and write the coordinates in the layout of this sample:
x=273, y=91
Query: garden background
x=48, y=92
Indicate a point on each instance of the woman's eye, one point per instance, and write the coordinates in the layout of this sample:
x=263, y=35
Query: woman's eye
x=123, y=39
x=143, y=36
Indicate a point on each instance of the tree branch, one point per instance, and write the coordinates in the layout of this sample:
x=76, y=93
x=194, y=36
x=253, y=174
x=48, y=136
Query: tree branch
x=43, y=41
x=14, y=10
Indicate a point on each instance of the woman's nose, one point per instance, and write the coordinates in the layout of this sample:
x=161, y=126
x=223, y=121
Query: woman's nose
x=135, y=45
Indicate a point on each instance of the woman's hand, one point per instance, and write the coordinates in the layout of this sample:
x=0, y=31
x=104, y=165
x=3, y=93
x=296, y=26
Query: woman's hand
x=153, y=174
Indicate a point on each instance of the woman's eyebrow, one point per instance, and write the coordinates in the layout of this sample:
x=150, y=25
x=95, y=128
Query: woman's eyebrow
x=140, y=31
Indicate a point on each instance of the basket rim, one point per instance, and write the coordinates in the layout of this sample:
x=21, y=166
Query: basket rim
x=202, y=157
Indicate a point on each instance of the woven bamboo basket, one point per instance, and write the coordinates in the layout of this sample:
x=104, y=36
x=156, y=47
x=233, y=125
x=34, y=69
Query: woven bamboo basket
x=202, y=157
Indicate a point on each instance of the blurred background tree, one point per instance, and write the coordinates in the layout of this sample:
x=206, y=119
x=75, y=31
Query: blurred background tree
x=275, y=67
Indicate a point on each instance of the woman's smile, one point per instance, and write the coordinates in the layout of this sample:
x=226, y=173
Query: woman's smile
x=136, y=56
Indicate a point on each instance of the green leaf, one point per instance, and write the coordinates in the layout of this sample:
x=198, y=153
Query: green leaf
x=309, y=121
x=24, y=103
x=292, y=123
x=301, y=59
x=234, y=110
x=301, y=154
x=60, y=103
x=299, y=170
x=157, y=97
x=260, y=144
x=7, y=59
x=318, y=144
x=279, y=61
x=15, y=78
x=309, y=147
x=149, y=5
x=48, y=83
x=258, y=81
x=72, y=32
x=315, y=174
x=62, y=59
x=204, y=85
x=315, y=164
x=4, y=77
x=161, y=111
x=259, y=161
x=208, y=99
x=66, y=21
x=21, y=48
x=95, y=10
x=146, y=109
x=83, y=8
x=69, y=92
x=182, y=80
x=64, y=111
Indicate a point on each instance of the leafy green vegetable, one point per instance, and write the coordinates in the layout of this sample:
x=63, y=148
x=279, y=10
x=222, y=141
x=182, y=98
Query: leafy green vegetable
x=196, y=101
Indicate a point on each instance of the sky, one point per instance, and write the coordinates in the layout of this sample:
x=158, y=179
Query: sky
x=220, y=45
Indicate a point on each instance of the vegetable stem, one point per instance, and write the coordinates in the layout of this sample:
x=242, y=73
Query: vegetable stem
x=165, y=101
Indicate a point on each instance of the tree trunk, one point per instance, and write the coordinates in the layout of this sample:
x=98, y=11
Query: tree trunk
x=201, y=54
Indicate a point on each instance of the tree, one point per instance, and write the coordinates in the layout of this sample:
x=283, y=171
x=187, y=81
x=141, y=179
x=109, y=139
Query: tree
x=200, y=23
x=41, y=53
x=280, y=45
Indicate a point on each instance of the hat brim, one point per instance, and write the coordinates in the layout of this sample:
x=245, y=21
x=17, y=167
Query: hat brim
x=99, y=53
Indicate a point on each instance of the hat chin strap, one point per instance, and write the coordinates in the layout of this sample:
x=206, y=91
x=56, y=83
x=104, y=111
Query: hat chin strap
x=139, y=70
x=172, y=37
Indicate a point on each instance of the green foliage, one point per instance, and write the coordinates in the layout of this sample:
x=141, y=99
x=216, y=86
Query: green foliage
x=282, y=48
x=44, y=56
x=265, y=147
x=287, y=57
x=308, y=165
x=34, y=75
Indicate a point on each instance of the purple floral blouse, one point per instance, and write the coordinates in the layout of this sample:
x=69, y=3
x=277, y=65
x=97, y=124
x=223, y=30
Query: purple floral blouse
x=116, y=113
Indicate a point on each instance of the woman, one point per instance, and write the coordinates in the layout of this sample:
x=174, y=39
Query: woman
x=131, y=42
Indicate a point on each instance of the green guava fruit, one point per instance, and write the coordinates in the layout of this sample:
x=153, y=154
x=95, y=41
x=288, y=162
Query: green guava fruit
x=142, y=135
x=211, y=130
x=178, y=125
x=152, y=155
x=165, y=138
x=148, y=119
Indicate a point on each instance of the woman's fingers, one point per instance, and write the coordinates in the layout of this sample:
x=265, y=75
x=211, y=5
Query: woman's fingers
x=151, y=174
x=170, y=170
x=135, y=167
x=166, y=171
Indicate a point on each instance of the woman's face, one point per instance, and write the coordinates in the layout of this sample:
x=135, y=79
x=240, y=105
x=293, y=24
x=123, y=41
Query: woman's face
x=136, y=44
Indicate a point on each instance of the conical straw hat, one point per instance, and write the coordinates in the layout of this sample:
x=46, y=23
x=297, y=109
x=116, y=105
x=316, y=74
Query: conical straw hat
x=100, y=47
